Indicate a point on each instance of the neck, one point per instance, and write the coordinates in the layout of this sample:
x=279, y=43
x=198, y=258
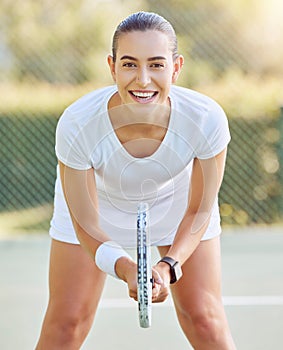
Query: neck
x=123, y=115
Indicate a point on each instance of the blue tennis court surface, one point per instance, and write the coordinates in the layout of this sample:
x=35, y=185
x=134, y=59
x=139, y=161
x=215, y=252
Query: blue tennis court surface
x=252, y=262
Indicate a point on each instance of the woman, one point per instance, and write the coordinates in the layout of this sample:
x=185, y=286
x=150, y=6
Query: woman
x=142, y=139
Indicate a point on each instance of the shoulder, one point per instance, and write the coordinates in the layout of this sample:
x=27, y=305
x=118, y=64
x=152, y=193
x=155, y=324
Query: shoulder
x=86, y=109
x=200, y=110
x=91, y=101
x=193, y=101
x=85, y=113
x=80, y=128
x=201, y=119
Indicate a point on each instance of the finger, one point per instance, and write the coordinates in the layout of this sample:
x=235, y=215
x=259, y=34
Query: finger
x=156, y=278
x=160, y=293
x=133, y=293
x=159, y=299
x=156, y=291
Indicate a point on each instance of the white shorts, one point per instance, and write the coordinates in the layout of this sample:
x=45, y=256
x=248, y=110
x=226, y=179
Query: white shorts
x=118, y=219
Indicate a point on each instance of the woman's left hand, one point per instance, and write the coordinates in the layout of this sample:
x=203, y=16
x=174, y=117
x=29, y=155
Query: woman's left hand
x=161, y=278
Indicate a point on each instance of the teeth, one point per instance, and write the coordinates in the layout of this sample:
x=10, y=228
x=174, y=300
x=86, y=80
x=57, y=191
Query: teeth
x=143, y=94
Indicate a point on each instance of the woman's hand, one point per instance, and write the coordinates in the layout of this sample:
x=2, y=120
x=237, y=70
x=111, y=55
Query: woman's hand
x=126, y=270
x=161, y=278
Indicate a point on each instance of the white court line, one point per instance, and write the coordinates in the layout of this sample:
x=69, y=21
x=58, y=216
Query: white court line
x=267, y=300
x=254, y=300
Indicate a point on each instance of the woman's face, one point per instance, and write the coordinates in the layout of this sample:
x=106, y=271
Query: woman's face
x=144, y=69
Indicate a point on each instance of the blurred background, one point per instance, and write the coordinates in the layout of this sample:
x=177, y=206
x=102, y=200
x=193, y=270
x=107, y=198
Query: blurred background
x=52, y=52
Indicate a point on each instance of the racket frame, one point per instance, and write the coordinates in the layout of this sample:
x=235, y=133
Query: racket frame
x=144, y=266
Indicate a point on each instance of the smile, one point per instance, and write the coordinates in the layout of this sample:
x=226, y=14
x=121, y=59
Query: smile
x=143, y=96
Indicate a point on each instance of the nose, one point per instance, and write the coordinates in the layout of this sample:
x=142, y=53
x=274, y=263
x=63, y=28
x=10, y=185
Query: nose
x=143, y=77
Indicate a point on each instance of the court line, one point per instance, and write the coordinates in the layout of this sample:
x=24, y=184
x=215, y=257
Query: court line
x=243, y=300
x=256, y=300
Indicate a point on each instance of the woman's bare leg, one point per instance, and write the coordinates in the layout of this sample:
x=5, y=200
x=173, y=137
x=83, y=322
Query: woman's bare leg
x=75, y=286
x=198, y=300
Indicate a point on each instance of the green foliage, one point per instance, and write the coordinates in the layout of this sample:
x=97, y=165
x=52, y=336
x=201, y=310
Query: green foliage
x=229, y=34
x=28, y=99
x=241, y=95
x=67, y=41
x=59, y=41
x=245, y=95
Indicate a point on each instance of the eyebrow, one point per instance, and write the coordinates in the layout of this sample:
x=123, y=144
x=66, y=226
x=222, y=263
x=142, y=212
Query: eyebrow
x=155, y=58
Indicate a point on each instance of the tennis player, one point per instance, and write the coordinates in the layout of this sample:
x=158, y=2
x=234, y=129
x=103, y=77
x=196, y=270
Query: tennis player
x=142, y=139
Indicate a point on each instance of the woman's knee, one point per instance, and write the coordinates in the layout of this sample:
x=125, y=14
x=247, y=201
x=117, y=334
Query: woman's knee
x=206, y=319
x=69, y=324
x=208, y=326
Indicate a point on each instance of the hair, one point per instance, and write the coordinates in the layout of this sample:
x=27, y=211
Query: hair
x=143, y=21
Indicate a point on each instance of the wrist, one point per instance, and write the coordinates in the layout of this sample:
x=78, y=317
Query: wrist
x=107, y=256
x=164, y=270
x=123, y=266
x=165, y=267
x=174, y=267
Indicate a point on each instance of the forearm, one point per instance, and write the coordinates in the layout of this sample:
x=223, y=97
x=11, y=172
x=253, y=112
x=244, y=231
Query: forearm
x=188, y=236
x=109, y=256
x=80, y=193
x=205, y=183
x=81, y=197
x=90, y=237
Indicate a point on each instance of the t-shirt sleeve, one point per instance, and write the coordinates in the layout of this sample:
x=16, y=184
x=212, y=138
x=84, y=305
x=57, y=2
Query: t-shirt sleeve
x=71, y=147
x=215, y=134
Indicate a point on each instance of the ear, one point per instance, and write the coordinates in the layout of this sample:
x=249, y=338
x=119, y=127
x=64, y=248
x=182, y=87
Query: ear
x=111, y=65
x=178, y=64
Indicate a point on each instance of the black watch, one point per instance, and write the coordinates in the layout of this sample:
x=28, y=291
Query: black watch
x=175, y=268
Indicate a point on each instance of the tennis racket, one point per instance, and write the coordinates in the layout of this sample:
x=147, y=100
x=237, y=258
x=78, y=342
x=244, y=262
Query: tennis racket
x=144, y=266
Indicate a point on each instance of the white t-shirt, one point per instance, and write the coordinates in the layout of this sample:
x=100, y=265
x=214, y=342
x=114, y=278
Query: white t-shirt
x=85, y=139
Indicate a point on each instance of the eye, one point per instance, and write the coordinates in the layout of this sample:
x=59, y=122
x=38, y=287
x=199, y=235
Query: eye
x=129, y=65
x=157, y=65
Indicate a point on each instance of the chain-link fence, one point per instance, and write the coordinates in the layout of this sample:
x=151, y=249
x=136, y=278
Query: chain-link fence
x=51, y=52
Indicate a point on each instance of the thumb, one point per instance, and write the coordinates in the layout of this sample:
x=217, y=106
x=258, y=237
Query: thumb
x=156, y=278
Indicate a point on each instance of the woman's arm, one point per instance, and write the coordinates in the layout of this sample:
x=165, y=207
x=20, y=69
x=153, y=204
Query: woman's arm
x=206, y=180
x=81, y=197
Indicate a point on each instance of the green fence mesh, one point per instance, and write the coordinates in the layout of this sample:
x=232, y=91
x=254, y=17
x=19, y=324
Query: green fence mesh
x=65, y=43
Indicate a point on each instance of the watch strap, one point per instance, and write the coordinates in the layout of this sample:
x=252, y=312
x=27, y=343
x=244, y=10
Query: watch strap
x=172, y=263
x=168, y=261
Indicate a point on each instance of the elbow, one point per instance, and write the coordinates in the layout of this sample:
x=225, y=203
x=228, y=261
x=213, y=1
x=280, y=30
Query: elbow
x=87, y=232
x=199, y=221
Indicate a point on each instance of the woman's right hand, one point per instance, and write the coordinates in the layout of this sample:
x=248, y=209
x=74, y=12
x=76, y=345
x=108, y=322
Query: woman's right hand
x=126, y=270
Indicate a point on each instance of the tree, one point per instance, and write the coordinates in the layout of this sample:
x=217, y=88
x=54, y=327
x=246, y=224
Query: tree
x=58, y=41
